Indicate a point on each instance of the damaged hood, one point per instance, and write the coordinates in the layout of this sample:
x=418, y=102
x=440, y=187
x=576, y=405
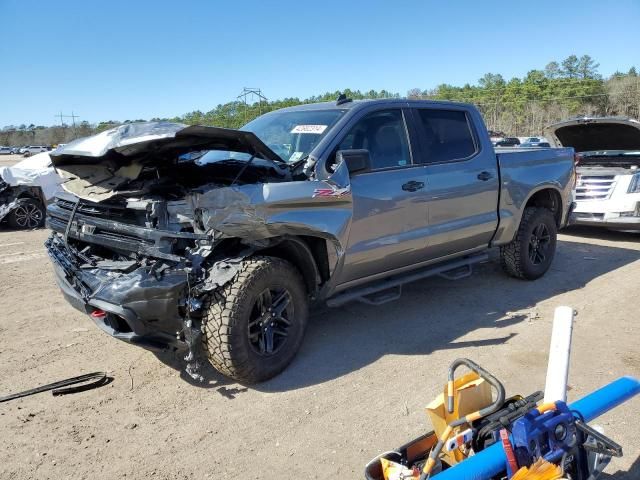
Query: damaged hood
x=93, y=168
x=35, y=171
x=136, y=139
x=596, y=134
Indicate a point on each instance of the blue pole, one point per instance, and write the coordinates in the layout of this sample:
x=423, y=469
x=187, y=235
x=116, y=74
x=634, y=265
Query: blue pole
x=491, y=461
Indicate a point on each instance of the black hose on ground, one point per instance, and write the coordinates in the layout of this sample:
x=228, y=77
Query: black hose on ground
x=99, y=379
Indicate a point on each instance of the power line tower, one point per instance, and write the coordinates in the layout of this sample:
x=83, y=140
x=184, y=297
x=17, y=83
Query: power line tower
x=73, y=117
x=253, y=93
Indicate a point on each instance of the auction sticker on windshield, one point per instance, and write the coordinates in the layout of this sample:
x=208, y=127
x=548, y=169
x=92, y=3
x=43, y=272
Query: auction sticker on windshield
x=295, y=156
x=317, y=129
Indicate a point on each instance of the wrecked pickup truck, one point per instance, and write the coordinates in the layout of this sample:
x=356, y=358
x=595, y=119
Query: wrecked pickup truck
x=25, y=190
x=608, y=176
x=174, y=236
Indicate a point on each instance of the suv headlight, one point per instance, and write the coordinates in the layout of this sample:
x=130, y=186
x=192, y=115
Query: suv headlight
x=634, y=185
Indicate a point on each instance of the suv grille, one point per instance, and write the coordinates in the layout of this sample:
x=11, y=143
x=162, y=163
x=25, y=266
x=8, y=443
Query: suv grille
x=593, y=187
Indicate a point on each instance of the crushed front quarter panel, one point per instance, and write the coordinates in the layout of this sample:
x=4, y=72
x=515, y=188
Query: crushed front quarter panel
x=255, y=212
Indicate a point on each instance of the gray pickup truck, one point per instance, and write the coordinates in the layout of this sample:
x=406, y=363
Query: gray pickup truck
x=174, y=236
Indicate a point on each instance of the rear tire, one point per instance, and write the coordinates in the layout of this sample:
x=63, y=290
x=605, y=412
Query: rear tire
x=530, y=254
x=254, y=325
x=28, y=214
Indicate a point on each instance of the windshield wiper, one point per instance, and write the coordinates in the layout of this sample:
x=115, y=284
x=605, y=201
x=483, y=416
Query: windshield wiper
x=297, y=163
x=279, y=160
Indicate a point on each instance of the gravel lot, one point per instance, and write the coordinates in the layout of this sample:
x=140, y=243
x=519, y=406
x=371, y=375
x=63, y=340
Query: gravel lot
x=358, y=386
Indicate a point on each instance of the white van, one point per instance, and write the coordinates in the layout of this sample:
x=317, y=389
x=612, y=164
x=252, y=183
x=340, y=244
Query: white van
x=31, y=149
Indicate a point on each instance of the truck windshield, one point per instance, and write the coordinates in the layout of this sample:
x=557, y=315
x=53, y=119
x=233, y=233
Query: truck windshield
x=292, y=135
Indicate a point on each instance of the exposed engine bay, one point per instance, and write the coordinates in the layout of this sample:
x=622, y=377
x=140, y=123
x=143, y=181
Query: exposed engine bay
x=621, y=163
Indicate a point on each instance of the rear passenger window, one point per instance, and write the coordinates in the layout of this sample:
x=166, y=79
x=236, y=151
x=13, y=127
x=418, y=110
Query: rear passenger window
x=446, y=135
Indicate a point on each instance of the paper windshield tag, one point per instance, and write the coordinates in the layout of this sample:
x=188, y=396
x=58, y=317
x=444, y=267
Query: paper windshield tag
x=295, y=156
x=316, y=129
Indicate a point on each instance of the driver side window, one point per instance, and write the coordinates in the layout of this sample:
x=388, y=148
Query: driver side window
x=384, y=135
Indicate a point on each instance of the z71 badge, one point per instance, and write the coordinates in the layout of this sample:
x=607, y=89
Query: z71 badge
x=331, y=192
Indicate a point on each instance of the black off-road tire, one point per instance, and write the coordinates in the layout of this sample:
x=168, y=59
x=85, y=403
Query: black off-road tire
x=516, y=257
x=28, y=214
x=230, y=309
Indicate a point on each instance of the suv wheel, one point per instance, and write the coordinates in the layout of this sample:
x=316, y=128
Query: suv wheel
x=28, y=214
x=530, y=254
x=254, y=325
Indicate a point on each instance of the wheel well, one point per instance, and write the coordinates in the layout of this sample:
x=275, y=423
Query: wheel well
x=34, y=193
x=27, y=195
x=308, y=254
x=548, y=198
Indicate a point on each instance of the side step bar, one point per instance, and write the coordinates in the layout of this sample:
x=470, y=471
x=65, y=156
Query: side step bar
x=390, y=288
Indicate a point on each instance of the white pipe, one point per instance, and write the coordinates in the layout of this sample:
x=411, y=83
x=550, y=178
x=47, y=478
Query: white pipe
x=559, y=355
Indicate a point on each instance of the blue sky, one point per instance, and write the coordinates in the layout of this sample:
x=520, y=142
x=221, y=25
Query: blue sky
x=119, y=59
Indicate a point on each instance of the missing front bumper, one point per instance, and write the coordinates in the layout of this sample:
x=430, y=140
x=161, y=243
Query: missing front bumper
x=140, y=308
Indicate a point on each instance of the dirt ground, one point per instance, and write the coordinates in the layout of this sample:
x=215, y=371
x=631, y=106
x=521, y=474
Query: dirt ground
x=358, y=386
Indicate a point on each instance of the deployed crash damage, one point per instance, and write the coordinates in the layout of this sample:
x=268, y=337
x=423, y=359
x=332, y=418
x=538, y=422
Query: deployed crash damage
x=176, y=236
x=156, y=215
x=25, y=189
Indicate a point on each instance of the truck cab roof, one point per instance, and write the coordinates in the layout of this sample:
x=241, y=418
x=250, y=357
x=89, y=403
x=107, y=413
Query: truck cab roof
x=359, y=104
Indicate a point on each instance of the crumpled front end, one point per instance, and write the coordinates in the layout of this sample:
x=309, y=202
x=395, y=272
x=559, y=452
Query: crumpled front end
x=130, y=301
x=133, y=280
x=143, y=273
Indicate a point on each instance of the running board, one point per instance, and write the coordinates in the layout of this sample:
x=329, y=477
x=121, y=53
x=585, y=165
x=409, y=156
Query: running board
x=390, y=289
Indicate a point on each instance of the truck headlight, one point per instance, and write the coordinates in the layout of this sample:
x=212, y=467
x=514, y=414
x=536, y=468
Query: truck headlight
x=634, y=185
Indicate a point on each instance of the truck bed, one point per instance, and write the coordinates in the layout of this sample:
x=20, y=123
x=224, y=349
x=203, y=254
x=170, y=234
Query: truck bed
x=524, y=171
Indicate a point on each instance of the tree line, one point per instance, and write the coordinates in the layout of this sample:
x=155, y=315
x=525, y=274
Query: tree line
x=524, y=106
x=519, y=106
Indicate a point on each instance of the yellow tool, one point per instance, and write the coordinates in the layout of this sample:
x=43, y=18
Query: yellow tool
x=395, y=471
x=459, y=418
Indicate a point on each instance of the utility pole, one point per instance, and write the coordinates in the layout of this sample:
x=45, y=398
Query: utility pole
x=73, y=121
x=73, y=117
x=254, y=92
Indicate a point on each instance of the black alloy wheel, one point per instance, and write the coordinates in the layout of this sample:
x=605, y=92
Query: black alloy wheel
x=269, y=325
x=539, y=244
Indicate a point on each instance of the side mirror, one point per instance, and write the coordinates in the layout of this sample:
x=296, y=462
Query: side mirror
x=355, y=160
